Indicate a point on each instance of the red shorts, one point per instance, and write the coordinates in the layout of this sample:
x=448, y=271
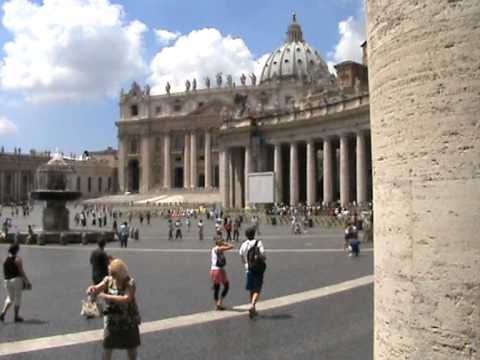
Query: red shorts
x=219, y=276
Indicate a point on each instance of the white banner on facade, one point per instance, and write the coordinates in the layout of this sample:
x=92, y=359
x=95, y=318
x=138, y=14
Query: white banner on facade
x=261, y=188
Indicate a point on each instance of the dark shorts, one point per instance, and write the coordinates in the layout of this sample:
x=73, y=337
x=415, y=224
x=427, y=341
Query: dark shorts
x=254, y=282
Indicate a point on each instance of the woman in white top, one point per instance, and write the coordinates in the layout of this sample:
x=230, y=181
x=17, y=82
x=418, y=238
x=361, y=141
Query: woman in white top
x=217, y=271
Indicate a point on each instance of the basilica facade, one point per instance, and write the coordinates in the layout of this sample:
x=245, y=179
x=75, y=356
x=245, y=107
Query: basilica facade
x=307, y=126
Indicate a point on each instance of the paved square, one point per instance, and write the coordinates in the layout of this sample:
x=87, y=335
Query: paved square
x=311, y=309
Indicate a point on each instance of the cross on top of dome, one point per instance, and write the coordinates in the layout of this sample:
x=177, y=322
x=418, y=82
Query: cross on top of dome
x=295, y=33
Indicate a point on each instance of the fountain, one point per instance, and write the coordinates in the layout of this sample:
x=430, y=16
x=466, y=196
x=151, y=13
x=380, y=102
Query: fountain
x=54, y=183
x=55, y=180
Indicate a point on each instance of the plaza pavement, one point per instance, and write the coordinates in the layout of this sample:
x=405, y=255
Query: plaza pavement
x=176, y=303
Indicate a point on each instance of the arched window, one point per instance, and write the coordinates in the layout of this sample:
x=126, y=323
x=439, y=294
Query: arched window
x=134, y=110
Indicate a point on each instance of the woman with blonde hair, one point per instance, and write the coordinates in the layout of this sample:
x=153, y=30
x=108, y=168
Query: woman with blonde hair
x=122, y=318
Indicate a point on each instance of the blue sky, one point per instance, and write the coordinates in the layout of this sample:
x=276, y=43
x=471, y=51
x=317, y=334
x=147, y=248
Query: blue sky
x=63, y=62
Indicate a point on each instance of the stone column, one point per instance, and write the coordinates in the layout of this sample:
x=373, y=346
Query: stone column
x=277, y=165
x=361, y=153
x=186, y=161
x=344, y=171
x=311, y=173
x=231, y=185
x=294, y=188
x=426, y=185
x=224, y=177
x=248, y=169
x=193, y=160
x=167, y=172
x=2, y=186
x=238, y=167
x=208, y=160
x=327, y=172
x=122, y=163
x=146, y=165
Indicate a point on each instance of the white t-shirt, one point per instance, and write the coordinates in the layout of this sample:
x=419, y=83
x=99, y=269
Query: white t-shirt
x=247, y=245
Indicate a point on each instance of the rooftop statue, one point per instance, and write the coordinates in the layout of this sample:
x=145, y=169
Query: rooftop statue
x=187, y=85
x=207, y=82
x=194, y=84
x=135, y=89
x=167, y=88
x=219, y=79
x=229, y=81
x=147, y=90
x=243, y=79
x=253, y=79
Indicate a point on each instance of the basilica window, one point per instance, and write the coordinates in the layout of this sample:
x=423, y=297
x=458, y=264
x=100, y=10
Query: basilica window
x=109, y=184
x=158, y=110
x=179, y=142
x=177, y=106
x=134, y=110
x=79, y=183
x=89, y=184
x=100, y=183
x=134, y=146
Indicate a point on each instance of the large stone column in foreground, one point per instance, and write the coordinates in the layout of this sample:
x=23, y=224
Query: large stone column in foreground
x=424, y=95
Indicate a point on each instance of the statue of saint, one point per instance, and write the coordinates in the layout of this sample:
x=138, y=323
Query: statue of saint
x=187, y=85
x=147, y=90
x=253, y=79
x=243, y=79
x=207, y=82
x=167, y=88
x=219, y=79
x=229, y=81
x=194, y=84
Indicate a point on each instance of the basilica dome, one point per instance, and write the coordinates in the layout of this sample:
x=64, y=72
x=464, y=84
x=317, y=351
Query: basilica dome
x=295, y=59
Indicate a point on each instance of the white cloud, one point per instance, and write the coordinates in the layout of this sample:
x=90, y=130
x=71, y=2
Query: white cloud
x=199, y=54
x=165, y=37
x=352, y=35
x=7, y=127
x=69, y=49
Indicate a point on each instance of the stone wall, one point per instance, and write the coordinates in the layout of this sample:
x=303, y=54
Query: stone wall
x=424, y=73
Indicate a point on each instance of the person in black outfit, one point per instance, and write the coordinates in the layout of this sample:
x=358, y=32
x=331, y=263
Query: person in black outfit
x=15, y=281
x=99, y=261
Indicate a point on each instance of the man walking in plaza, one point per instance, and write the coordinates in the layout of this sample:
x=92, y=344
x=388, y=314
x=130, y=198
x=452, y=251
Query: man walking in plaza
x=99, y=261
x=252, y=254
x=124, y=234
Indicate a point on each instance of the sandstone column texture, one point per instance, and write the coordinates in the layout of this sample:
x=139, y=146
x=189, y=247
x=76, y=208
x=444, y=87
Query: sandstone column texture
x=208, y=160
x=167, y=174
x=277, y=166
x=424, y=80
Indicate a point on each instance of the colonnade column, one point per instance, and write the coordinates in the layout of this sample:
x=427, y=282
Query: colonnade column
x=344, y=172
x=238, y=167
x=193, y=160
x=2, y=186
x=146, y=174
x=186, y=162
x=248, y=168
x=311, y=173
x=224, y=177
x=294, y=188
x=361, y=169
x=208, y=160
x=277, y=165
x=167, y=172
x=122, y=158
x=327, y=172
x=231, y=185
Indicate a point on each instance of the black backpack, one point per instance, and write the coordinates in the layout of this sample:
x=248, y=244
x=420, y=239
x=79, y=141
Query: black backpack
x=221, y=259
x=255, y=259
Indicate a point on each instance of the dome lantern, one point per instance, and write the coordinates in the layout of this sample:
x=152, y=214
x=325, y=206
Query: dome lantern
x=294, y=32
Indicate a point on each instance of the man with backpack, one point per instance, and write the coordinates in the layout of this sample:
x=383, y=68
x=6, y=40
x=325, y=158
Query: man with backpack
x=253, y=257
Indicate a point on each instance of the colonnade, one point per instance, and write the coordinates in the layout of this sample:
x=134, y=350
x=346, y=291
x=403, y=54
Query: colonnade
x=346, y=175
x=16, y=185
x=190, y=157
